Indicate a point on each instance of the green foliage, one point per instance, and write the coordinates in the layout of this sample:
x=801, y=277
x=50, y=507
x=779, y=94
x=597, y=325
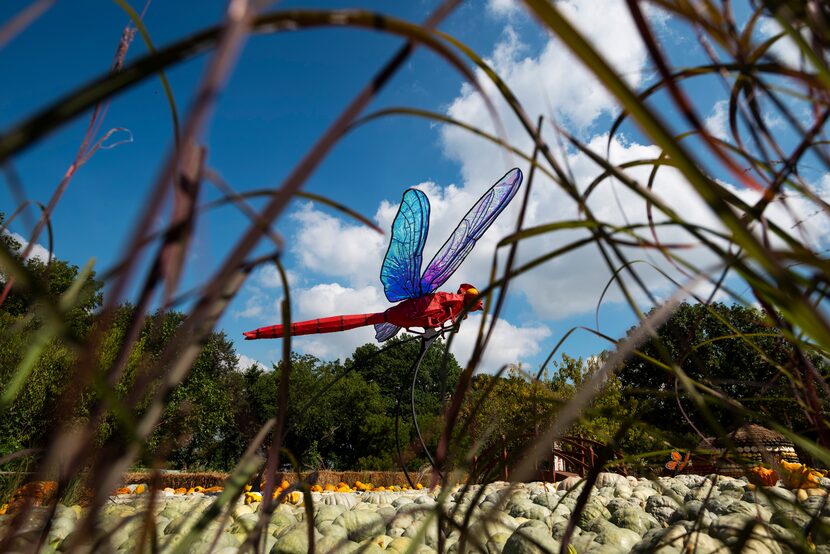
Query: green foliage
x=507, y=412
x=734, y=350
x=352, y=424
x=26, y=423
x=56, y=277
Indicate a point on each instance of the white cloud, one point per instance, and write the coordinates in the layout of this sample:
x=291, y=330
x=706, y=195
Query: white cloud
x=503, y=8
x=245, y=362
x=716, y=121
x=553, y=83
x=328, y=245
x=267, y=276
x=257, y=304
x=573, y=283
x=260, y=290
x=784, y=49
x=39, y=251
x=508, y=344
x=334, y=299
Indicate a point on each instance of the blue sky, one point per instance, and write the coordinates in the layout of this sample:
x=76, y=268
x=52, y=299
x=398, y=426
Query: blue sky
x=284, y=92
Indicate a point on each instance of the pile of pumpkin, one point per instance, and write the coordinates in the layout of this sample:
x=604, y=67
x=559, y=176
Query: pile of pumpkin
x=38, y=493
x=140, y=489
x=792, y=476
x=294, y=497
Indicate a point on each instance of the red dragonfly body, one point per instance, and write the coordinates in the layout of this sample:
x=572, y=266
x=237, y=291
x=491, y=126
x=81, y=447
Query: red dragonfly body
x=430, y=311
x=420, y=305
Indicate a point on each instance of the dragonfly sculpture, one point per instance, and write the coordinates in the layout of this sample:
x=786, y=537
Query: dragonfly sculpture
x=420, y=303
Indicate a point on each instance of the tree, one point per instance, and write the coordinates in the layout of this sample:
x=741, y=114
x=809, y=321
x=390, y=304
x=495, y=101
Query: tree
x=345, y=427
x=56, y=278
x=735, y=350
x=392, y=368
x=30, y=416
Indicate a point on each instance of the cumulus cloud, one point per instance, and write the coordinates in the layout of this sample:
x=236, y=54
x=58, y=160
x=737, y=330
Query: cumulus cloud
x=267, y=276
x=257, y=304
x=245, y=362
x=555, y=84
x=334, y=248
x=509, y=344
x=259, y=293
x=784, y=49
x=39, y=251
x=503, y=8
x=716, y=121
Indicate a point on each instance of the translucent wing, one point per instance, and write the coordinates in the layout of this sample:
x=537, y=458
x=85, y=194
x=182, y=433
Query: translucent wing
x=469, y=230
x=401, y=270
x=385, y=331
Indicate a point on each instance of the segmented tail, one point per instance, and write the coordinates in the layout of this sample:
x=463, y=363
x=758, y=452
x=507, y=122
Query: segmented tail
x=314, y=326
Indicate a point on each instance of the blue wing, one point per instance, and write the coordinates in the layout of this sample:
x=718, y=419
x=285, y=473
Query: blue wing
x=469, y=230
x=385, y=331
x=401, y=270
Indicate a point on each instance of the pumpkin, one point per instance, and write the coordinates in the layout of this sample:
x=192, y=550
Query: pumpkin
x=140, y=489
x=121, y=490
x=762, y=476
x=532, y=536
x=252, y=497
x=592, y=510
x=361, y=525
x=799, y=476
x=293, y=542
x=379, y=498
x=634, y=519
x=347, y=500
x=293, y=497
x=608, y=533
x=400, y=545
x=40, y=493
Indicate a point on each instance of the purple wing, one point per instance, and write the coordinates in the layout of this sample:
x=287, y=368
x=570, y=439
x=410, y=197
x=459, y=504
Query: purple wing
x=385, y=331
x=401, y=269
x=469, y=230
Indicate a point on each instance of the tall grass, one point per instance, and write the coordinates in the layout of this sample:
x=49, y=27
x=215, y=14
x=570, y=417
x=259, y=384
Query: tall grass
x=787, y=277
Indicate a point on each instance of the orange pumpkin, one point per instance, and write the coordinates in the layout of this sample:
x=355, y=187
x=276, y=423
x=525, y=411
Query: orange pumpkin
x=799, y=476
x=762, y=476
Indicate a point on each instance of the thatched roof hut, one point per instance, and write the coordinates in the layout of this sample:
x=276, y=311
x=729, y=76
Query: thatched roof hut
x=747, y=446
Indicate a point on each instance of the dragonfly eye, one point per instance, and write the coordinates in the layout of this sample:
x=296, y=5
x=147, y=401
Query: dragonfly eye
x=471, y=297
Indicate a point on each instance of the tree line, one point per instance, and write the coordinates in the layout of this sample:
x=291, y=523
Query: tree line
x=356, y=414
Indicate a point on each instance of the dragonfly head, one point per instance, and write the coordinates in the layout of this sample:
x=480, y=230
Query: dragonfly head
x=471, y=297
